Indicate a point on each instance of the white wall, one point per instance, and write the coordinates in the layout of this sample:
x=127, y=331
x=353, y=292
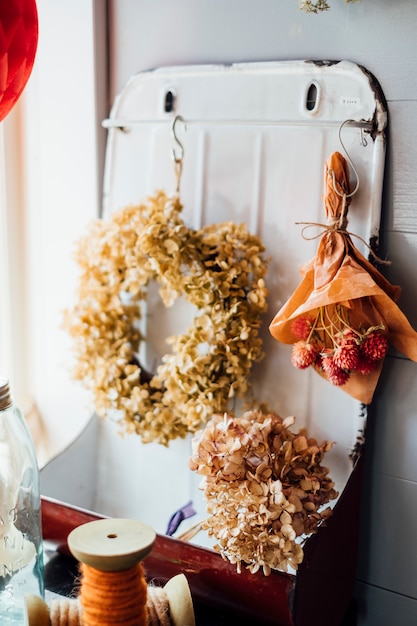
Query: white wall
x=380, y=35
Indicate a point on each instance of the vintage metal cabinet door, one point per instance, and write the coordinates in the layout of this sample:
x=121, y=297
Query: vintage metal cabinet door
x=255, y=137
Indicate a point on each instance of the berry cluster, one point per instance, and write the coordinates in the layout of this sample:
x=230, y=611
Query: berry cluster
x=330, y=344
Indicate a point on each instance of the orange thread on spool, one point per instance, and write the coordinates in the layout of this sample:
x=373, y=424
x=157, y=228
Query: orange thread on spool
x=113, y=586
x=116, y=597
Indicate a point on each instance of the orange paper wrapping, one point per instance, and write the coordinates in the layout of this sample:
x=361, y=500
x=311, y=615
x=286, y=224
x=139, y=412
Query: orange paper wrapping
x=340, y=274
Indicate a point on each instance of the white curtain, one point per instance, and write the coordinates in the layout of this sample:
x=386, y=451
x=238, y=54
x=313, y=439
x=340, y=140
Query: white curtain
x=13, y=310
x=51, y=150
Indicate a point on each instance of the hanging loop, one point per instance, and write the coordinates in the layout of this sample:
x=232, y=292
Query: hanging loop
x=177, y=155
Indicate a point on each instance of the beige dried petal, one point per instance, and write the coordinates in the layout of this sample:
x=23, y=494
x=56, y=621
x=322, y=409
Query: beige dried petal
x=278, y=498
x=288, y=421
x=300, y=443
x=288, y=531
x=263, y=472
x=171, y=246
x=285, y=518
x=255, y=488
x=232, y=471
x=309, y=506
x=306, y=485
x=296, y=502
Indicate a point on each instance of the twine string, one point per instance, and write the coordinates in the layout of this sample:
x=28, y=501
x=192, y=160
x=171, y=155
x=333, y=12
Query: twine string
x=65, y=612
x=178, y=174
x=338, y=224
x=98, y=609
x=158, y=607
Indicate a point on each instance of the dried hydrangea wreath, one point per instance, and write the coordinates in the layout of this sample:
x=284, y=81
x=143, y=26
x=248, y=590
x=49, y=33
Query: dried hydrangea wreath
x=265, y=488
x=219, y=269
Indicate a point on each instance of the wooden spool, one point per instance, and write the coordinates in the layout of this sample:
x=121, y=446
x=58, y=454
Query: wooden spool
x=118, y=544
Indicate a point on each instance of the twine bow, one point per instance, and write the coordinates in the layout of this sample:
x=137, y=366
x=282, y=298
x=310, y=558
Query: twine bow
x=334, y=227
x=337, y=204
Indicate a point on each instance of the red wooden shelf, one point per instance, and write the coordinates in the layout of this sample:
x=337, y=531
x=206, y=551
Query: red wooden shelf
x=320, y=593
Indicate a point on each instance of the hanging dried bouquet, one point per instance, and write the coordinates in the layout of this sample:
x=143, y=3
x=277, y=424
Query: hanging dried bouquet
x=343, y=315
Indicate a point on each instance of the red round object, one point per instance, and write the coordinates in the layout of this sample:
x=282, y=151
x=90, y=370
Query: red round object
x=18, y=43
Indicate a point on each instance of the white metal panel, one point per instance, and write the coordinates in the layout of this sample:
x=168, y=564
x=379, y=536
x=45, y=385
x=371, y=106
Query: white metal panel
x=254, y=153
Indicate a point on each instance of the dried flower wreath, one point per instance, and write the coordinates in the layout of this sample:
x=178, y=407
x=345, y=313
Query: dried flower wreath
x=219, y=269
x=265, y=488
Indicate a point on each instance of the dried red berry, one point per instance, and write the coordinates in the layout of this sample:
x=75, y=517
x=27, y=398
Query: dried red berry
x=301, y=327
x=304, y=354
x=336, y=375
x=346, y=355
x=375, y=346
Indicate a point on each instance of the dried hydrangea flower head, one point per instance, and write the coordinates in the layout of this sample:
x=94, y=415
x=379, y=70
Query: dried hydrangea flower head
x=265, y=488
x=315, y=6
x=219, y=269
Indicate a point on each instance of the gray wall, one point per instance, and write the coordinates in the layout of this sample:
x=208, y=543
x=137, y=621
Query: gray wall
x=380, y=35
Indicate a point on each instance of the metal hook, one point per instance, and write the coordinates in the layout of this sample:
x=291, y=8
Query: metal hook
x=352, y=193
x=177, y=159
x=364, y=140
x=177, y=118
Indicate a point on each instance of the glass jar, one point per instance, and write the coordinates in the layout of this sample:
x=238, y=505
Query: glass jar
x=21, y=549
